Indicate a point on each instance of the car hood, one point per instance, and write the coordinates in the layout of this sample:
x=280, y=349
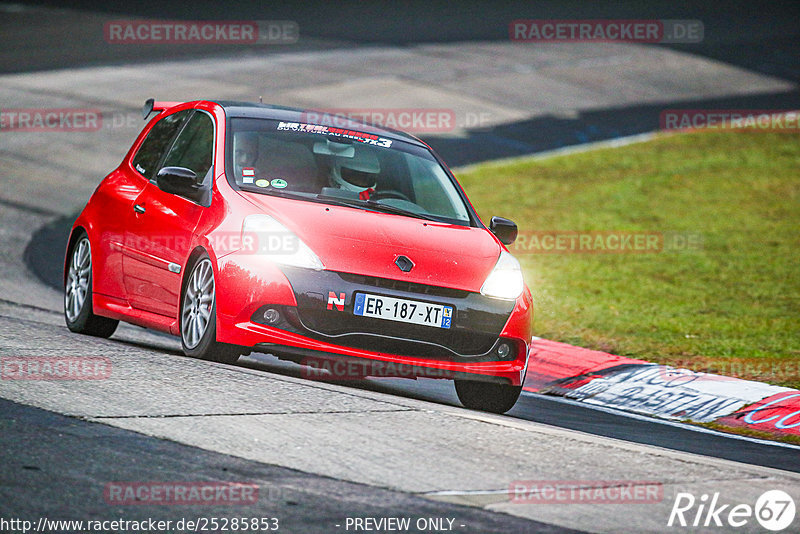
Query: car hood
x=367, y=243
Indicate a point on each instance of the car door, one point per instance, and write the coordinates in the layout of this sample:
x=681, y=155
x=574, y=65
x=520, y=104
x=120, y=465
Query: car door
x=159, y=236
x=115, y=199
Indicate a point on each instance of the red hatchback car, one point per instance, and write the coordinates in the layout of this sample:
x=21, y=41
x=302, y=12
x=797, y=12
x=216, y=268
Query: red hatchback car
x=244, y=227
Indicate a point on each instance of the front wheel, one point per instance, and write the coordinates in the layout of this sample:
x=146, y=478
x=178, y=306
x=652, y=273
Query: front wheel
x=199, y=317
x=487, y=396
x=78, y=312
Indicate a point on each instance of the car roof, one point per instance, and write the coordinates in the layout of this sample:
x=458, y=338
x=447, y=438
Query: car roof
x=252, y=110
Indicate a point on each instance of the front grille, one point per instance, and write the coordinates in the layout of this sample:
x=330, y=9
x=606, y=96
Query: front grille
x=391, y=336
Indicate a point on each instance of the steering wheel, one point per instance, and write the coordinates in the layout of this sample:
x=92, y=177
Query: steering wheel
x=388, y=193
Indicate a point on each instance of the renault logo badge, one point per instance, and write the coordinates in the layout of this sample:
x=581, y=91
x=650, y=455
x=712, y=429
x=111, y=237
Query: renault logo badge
x=404, y=264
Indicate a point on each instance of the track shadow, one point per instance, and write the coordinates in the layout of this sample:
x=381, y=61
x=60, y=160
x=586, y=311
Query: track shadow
x=44, y=253
x=549, y=132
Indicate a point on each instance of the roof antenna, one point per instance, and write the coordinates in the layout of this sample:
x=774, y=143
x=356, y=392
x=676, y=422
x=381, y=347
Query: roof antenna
x=260, y=100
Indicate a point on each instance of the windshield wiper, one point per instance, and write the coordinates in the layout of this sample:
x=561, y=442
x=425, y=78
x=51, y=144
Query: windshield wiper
x=388, y=208
x=374, y=206
x=353, y=203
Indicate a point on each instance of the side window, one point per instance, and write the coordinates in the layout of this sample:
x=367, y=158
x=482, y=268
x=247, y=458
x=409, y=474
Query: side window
x=194, y=147
x=153, y=147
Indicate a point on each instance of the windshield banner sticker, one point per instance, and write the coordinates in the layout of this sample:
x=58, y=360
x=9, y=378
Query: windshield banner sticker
x=362, y=137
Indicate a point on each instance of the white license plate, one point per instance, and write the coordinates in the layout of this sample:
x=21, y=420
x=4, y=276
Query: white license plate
x=403, y=310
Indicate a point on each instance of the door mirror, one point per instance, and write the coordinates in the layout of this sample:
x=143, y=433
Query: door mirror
x=504, y=229
x=178, y=181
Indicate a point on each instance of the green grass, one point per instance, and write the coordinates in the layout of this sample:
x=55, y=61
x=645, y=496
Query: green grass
x=731, y=306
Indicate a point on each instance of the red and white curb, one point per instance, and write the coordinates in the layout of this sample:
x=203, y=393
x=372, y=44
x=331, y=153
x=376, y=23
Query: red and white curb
x=638, y=386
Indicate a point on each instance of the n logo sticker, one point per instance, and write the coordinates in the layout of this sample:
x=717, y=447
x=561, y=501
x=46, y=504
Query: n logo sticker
x=334, y=301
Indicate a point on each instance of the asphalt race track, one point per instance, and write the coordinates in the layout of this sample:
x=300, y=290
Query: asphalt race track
x=322, y=453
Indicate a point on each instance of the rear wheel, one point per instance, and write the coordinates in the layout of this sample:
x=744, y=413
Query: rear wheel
x=198, y=316
x=487, y=396
x=78, y=312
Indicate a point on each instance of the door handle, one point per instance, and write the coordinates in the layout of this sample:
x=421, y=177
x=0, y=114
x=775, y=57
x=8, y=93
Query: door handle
x=138, y=208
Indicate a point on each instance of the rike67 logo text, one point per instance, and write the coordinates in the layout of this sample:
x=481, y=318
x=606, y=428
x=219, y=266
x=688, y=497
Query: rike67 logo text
x=774, y=510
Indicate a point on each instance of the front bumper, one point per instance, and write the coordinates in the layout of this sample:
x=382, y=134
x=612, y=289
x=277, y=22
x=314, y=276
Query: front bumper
x=310, y=325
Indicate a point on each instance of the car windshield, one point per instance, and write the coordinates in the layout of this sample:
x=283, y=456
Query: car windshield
x=341, y=166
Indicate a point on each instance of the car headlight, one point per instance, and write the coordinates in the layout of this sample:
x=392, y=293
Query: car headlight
x=505, y=280
x=268, y=237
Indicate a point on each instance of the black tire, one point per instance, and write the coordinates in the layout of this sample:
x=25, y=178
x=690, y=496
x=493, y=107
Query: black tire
x=487, y=396
x=78, y=313
x=194, y=305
